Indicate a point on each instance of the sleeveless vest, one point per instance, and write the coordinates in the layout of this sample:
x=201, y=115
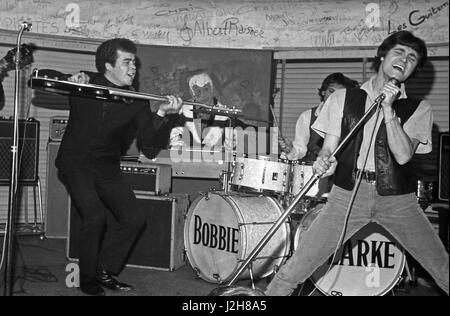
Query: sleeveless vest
x=391, y=178
x=315, y=141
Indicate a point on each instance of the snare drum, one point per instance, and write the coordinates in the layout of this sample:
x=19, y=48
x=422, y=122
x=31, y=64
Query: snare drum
x=301, y=172
x=221, y=230
x=260, y=175
x=370, y=263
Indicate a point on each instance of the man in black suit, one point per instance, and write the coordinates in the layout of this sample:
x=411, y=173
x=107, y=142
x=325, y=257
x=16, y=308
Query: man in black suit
x=89, y=163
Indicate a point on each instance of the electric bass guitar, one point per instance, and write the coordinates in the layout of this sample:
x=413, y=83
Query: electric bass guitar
x=64, y=87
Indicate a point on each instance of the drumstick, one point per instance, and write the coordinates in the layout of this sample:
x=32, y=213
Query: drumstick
x=276, y=123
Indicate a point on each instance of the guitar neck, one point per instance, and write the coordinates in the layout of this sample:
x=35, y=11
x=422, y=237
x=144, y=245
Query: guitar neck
x=148, y=96
x=103, y=92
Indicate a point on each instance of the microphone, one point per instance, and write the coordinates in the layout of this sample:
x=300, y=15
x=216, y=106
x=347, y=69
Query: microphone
x=382, y=96
x=27, y=26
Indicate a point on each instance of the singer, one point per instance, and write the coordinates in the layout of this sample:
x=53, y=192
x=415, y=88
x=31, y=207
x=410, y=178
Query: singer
x=374, y=168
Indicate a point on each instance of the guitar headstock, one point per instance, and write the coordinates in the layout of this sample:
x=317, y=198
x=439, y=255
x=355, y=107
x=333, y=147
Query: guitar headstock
x=219, y=109
x=225, y=109
x=26, y=58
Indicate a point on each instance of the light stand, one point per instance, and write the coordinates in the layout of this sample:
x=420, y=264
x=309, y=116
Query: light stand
x=12, y=202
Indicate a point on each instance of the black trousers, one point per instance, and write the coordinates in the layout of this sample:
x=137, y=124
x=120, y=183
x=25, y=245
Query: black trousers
x=98, y=188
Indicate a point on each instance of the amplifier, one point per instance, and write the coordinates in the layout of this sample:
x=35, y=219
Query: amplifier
x=56, y=197
x=28, y=151
x=57, y=127
x=147, y=178
x=160, y=245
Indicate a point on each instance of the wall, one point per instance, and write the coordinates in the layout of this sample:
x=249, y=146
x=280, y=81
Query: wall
x=232, y=23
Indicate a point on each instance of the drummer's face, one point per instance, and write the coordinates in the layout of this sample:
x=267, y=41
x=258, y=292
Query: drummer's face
x=203, y=94
x=122, y=73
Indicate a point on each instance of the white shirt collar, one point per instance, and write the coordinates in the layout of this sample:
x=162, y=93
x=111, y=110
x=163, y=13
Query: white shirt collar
x=368, y=87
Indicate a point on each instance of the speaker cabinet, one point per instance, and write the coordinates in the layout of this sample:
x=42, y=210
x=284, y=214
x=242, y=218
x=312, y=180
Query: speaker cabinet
x=160, y=245
x=28, y=151
x=443, y=167
x=56, y=197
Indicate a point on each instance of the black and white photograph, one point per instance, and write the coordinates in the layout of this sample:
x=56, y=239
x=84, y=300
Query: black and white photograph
x=203, y=149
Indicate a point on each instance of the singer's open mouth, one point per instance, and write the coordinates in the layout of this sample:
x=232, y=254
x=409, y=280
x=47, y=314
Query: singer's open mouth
x=398, y=67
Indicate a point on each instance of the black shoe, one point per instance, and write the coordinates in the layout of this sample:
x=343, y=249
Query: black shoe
x=105, y=279
x=92, y=287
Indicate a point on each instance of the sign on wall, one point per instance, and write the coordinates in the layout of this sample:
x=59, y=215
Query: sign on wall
x=233, y=23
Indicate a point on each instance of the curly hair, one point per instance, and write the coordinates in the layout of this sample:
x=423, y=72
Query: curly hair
x=336, y=78
x=107, y=52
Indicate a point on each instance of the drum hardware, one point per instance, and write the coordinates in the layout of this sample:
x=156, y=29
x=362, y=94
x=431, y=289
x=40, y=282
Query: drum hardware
x=197, y=272
x=250, y=271
x=224, y=179
x=217, y=277
x=263, y=180
x=315, y=177
x=241, y=173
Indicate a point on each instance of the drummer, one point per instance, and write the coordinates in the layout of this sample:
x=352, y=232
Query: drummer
x=307, y=142
x=211, y=130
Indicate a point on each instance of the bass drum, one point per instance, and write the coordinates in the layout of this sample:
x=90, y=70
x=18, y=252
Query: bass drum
x=221, y=230
x=370, y=263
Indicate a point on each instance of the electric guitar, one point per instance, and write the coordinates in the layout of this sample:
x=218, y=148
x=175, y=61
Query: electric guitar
x=64, y=87
x=8, y=62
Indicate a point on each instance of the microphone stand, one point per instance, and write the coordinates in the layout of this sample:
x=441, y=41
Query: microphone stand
x=302, y=192
x=12, y=203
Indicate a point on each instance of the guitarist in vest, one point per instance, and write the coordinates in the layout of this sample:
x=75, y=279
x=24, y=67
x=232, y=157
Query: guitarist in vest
x=307, y=142
x=386, y=193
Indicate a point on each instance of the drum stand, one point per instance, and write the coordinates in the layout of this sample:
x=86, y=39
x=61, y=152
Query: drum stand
x=315, y=177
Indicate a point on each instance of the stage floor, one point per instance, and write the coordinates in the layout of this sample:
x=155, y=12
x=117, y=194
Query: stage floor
x=40, y=270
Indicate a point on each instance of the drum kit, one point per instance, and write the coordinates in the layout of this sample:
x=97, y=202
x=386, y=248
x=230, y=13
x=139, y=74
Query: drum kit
x=245, y=230
x=222, y=227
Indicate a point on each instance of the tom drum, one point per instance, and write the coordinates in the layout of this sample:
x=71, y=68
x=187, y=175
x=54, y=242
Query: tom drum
x=301, y=172
x=260, y=175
